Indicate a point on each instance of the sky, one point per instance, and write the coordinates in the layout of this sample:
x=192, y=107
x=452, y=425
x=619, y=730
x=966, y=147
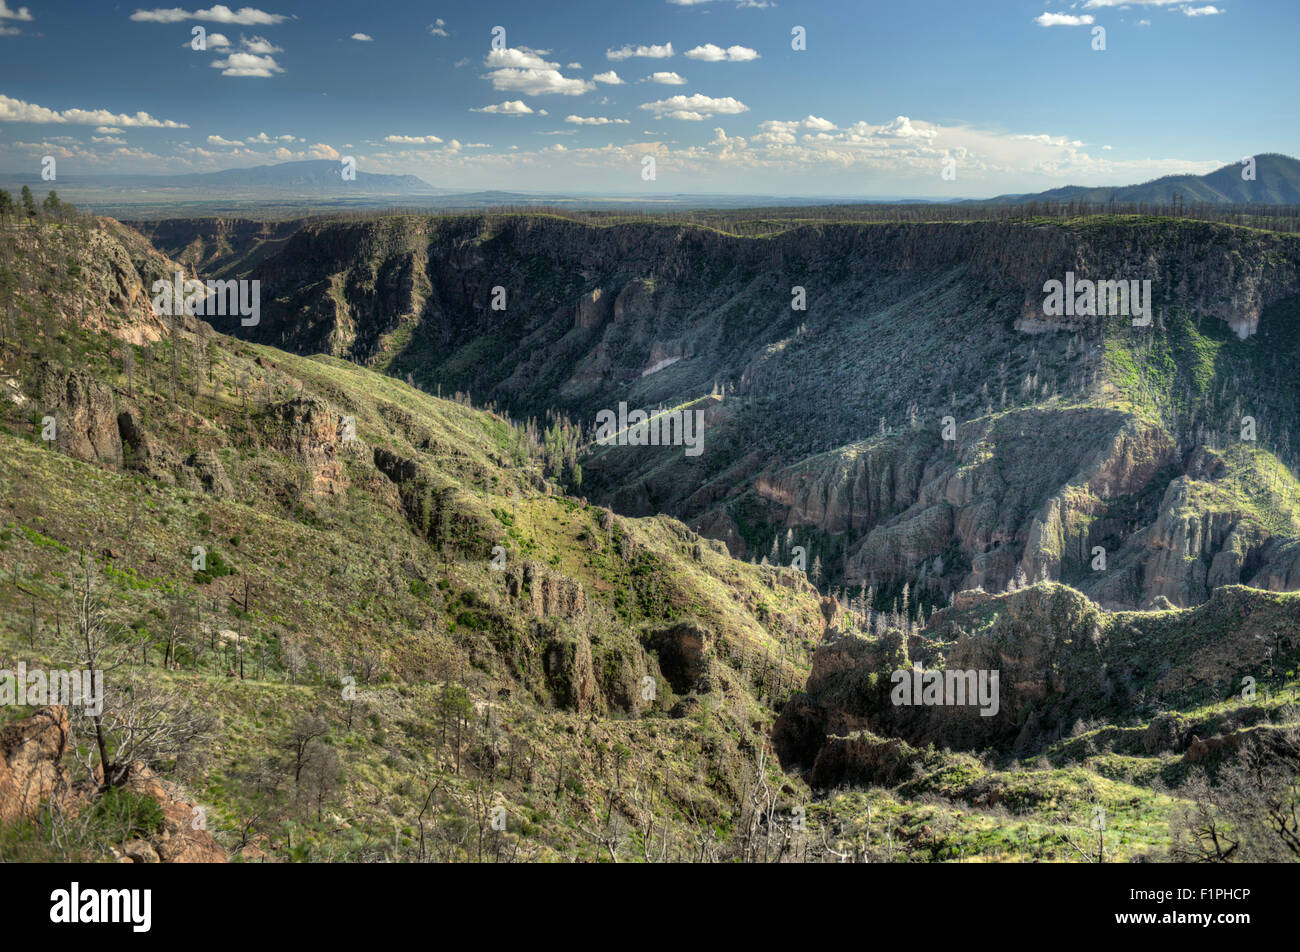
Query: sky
x=886, y=98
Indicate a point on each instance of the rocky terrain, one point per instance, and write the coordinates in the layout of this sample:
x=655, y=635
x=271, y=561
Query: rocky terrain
x=826, y=426
x=368, y=566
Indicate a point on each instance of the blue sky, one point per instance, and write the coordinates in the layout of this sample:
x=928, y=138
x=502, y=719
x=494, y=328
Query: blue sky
x=886, y=91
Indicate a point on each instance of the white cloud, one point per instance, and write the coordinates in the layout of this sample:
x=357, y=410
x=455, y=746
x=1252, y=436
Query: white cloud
x=16, y=110
x=538, y=82
x=247, y=65
x=1102, y=4
x=667, y=79
x=108, y=140
x=696, y=107
x=1063, y=19
x=224, y=143
x=646, y=52
x=595, y=121
x=413, y=140
x=710, y=53
x=513, y=107
x=216, y=41
x=437, y=27
x=108, y=131
x=1208, y=10
x=363, y=37
x=523, y=70
x=22, y=13
x=254, y=60
x=611, y=77
x=900, y=127
x=244, y=16
x=259, y=46
x=518, y=57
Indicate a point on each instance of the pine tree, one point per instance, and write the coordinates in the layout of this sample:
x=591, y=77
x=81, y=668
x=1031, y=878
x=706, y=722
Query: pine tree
x=29, y=203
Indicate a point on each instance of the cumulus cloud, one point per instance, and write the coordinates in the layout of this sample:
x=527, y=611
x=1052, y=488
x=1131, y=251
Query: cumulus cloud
x=694, y=108
x=1102, y=4
x=1209, y=10
x=244, y=16
x=710, y=53
x=16, y=110
x=413, y=140
x=1063, y=19
x=247, y=65
x=819, y=124
x=900, y=127
x=258, y=45
x=513, y=107
x=224, y=143
x=667, y=79
x=520, y=57
x=438, y=27
x=611, y=77
x=253, y=60
x=646, y=52
x=363, y=37
x=595, y=121
x=523, y=70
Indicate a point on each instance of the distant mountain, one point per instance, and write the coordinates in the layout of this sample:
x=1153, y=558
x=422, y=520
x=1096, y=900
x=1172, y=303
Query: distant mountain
x=1276, y=182
x=313, y=177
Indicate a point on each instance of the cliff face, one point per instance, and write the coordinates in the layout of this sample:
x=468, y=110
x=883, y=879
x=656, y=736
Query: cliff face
x=1060, y=660
x=217, y=247
x=644, y=286
x=828, y=421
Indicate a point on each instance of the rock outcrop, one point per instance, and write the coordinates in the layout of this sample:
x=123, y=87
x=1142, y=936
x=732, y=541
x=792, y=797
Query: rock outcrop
x=31, y=762
x=32, y=773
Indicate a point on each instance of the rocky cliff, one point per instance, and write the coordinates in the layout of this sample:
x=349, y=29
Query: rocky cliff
x=830, y=421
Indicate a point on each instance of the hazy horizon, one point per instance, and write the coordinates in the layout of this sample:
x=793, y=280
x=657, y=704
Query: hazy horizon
x=842, y=100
